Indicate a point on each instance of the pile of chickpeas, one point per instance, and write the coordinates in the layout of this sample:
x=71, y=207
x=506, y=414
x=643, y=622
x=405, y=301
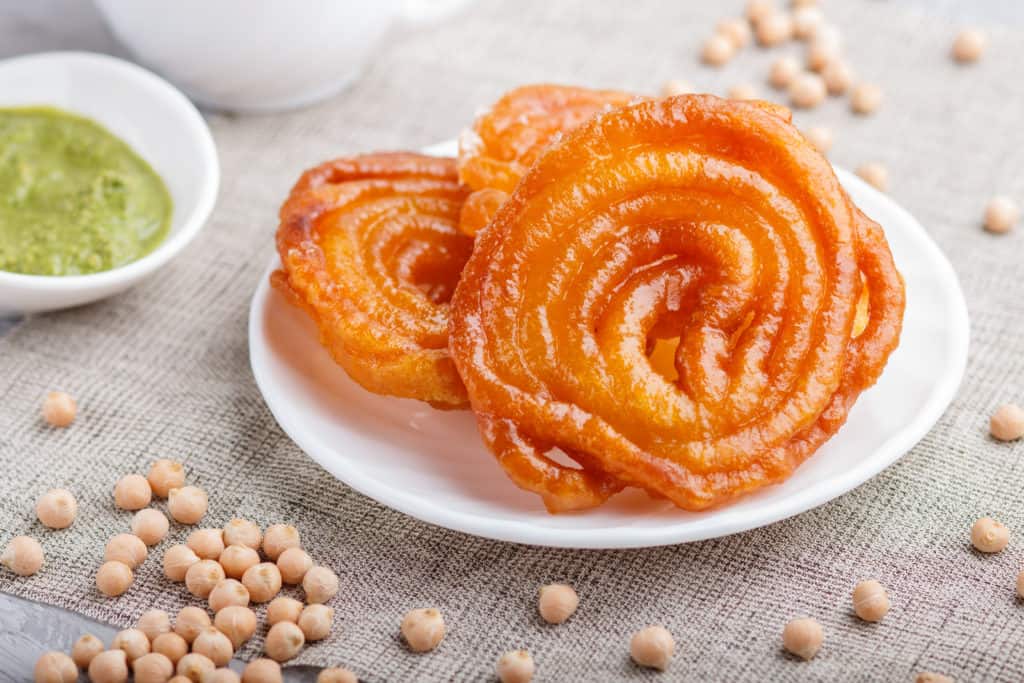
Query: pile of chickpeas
x=823, y=72
x=230, y=568
x=224, y=566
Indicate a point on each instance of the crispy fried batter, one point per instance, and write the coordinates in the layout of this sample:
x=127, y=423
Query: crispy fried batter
x=370, y=249
x=506, y=139
x=707, y=224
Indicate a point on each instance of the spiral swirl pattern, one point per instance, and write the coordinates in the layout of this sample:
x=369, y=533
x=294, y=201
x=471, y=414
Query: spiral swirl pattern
x=707, y=224
x=370, y=248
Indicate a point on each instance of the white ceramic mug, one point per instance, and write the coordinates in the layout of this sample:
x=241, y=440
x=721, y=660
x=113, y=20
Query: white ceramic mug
x=259, y=55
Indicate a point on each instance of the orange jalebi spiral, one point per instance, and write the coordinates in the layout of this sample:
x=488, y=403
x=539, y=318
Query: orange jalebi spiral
x=370, y=248
x=708, y=222
x=507, y=138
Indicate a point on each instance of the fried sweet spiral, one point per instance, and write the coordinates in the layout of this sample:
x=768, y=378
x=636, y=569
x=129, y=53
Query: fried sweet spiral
x=370, y=248
x=507, y=138
x=706, y=224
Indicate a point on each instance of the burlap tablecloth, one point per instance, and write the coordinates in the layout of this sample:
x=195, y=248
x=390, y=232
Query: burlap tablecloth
x=163, y=371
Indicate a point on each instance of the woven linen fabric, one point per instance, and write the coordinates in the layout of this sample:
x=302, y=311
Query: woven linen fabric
x=163, y=371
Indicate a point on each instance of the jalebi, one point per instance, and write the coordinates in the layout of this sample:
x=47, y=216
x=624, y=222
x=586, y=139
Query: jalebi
x=370, y=248
x=707, y=225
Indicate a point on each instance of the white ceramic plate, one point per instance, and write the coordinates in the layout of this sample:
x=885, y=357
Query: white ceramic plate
x=432, y=465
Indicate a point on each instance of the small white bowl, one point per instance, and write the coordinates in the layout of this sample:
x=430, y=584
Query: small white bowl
x=148, y=113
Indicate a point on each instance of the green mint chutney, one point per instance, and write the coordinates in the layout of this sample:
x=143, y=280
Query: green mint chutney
x=74, y=198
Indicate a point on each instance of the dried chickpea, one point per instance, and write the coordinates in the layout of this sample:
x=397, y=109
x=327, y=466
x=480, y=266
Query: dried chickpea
x=676, y=87
x=742, y=91
x=127, y=549
x=515, y=667
x=221, y=675
x=153, y=623
x=243, y=532
x=652, y=647
x=262, y=670
x=774, y=29
x=201, y=578
x=170, y=645
x=132, y=492
x=803, y=637
x=557, y=602
x=236, y=559
x=865, y=98
x=237, y=623
x=320, y=584
x=838, y=76
x=423, y=629
x=187, y=505
x=150, y=525
x=193, y=666
x=875, y=174
x=56, y=508
x=806, y=22
x=22, y=555
x=759, y=9
x=263, y=581
x=284, y=640
x=807, y=90
x=208, y=544
x=969, y=45
x=59, y=409
x=190, y=621
x=278, y=538
x=84, y=649
x=820, y=53
x=215, y=645
x=989, y=536
x=784, y=70
x=315, y=622
x=113, y=578
x=55, y=667
x=179, y=679
x=133, y=641
x=165, y=475
x=870, y=601
x=177, y=561
x=294, y=563
x=152, y=668
x=109, y=667
x=336, y=674
x=929, y=677
x=283, y=609
x=717, y=50
x=820, y=137
x=1020, y=584
x=226, y=593
x=1001, y=214
x=1007, y=422
x=736, y=30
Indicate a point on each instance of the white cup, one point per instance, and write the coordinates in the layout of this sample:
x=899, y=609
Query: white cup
x=259, y=55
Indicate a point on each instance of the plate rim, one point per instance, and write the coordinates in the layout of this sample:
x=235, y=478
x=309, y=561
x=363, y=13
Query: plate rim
x=515, y=531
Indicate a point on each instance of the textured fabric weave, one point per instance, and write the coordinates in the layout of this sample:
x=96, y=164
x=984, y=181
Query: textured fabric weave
x=163, y=371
